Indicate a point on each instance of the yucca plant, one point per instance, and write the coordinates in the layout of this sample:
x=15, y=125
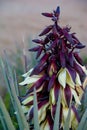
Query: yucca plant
x=56, y=97
x=59, y=73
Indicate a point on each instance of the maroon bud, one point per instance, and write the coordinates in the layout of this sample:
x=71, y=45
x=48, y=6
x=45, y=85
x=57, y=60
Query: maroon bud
x=80, y=46
x=57, y=12
x=68, y=36
x=77, y=57
x=38, y=41
x=71, y=59
x=68, y=95
x=72, y=72
x=51, y=82
x=46, y=30
x=48, y=14
x=79, y=69
x=52, y=68
x=44, y=58
x=39, y=52
x=35, y=48
x=62, y=59
x=56, y=90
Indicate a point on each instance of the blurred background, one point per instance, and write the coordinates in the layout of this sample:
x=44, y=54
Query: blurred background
x=21, y=20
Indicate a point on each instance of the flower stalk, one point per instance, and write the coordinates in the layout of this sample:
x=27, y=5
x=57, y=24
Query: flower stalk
x=59, y=70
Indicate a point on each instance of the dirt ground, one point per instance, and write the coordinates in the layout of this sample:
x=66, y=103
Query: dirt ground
x=21, y=19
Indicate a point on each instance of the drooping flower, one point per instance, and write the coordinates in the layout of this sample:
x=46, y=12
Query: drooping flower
x=59, y=69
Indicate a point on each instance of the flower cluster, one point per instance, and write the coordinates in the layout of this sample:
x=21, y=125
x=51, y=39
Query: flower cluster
x=59, y=69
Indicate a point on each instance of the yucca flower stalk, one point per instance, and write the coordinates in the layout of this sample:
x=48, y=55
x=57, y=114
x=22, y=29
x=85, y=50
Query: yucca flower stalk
x=59, y=70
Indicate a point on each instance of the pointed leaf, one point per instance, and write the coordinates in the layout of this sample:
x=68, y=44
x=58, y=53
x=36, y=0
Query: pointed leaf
x=57, y=114
x=67, y=122
x=8, y=75
x=36, y=121
x=5, y=117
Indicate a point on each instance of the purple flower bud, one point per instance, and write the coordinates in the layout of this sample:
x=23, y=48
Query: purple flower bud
x=46, y=30
x=48, y=14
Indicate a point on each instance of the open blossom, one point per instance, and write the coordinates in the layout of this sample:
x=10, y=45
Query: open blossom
x=59, y=70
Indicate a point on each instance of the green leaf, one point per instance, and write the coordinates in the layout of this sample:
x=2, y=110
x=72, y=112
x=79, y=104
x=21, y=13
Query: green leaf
x=5, y=118
x=57, y=115
x=83, y=122
x=16, y=84
x=8, y=76
x=66, y=126
x=36, y=121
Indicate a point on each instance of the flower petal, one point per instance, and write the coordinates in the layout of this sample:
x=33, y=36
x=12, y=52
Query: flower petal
x=62, y=77
x=62, y=59
x=72, y=72
x=68, y=94
x=27, y=100
x=52, y=96
x=45, y=126
x=75, y=96
x=42, y=108
x=51, y=82
x=30, y=80
x=76, y=113
x=53, y=110
x=37, y=84
x=73, y=118
x=78, y=81
x=56, y=90
x=69, y=80
x=48, y=123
